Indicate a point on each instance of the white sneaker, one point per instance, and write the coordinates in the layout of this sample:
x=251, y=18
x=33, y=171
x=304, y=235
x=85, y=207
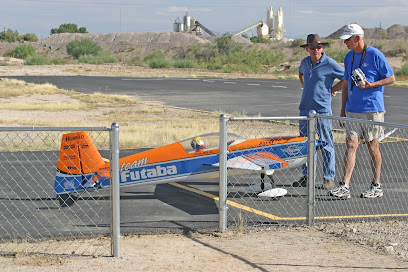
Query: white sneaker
x=374, y=191
x=340, y=191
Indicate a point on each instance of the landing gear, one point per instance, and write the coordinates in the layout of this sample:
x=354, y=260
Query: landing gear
x=274, y=193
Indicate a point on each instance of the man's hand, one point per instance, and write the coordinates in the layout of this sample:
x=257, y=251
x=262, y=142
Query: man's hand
x=367, y=85
x=342, y=114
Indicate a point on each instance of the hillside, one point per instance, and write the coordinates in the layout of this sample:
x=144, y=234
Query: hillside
x=394, y=32
x=392, y=41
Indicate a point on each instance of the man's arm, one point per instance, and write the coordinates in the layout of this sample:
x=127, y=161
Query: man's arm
x=382, y=82
x=337, y=87
x=301, y=78
x=344, y=98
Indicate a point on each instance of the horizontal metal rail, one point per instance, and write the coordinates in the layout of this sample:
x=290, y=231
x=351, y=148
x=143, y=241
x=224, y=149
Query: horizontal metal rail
x=54, y=129
x=361, y=121
x=267, y=118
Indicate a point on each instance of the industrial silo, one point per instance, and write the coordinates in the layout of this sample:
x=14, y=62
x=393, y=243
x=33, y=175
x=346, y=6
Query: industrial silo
x=187, y=22
x=269, y=19
x=263, y=30
x=178, y=26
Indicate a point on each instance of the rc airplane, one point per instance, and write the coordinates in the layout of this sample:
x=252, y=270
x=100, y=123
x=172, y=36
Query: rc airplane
x=81, y=167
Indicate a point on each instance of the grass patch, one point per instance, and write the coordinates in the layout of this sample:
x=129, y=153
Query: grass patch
x=160, y=63
x=37, y=60
x=29, y=106
x=14, y=87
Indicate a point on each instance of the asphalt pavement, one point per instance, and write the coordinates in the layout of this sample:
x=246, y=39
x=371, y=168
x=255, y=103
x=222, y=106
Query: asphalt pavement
x=264, y=97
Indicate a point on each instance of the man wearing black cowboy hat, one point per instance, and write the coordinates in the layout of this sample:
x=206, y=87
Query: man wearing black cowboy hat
x=316, y=74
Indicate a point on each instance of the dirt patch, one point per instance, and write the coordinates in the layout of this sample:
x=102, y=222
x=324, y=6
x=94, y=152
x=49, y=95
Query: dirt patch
x=279, y=249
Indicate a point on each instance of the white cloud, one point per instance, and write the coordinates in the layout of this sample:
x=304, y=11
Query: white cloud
x=305, y=11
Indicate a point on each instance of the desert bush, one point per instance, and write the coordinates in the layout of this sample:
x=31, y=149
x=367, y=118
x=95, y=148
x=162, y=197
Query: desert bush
x=403, y=72
x=135, y=60
x=100, y=58
x=400, y=48
x=199, y=53
x=226, y=45
x=9, y=53
x=160, y=63
x=37, y=60
x=59, y=61
x=184, y=63
x=298, y=42
x=84, y=46
x=22, y=51
x=258, y=39
x=216, y=66
x=337, y=55
x=154, y=55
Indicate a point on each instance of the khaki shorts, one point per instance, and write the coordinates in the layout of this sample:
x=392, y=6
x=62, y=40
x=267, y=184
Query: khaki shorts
x=360, y=130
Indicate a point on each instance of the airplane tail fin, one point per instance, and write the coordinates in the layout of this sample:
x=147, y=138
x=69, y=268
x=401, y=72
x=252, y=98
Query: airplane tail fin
x=80, y=165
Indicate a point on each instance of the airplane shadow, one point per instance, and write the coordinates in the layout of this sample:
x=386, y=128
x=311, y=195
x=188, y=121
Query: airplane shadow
x=189, y=202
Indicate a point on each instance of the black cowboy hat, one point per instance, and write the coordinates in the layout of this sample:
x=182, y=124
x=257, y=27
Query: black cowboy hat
x=313, y=39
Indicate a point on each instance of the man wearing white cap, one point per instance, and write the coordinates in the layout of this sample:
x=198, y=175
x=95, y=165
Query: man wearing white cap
x=367, y=72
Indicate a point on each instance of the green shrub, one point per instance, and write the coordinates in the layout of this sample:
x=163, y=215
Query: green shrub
x=298, y=42
x=22, y=51
x=9, y=53
x=84, y=46
x=226, y=45
x=198, y=52
x=37, y=60
x=135, y=60
x=337, y=55
x=59, y=61
x=400, y=48
x=160, y=63
x=403, y=71
x=215, y=66
x=101, y=58
x=184, y=63
x=258, y=39
x=153, y=55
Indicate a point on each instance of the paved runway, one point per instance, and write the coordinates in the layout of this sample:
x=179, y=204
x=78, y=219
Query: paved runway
x=265, y=97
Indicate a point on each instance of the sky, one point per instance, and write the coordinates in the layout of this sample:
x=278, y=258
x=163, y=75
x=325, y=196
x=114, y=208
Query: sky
x=301, y=17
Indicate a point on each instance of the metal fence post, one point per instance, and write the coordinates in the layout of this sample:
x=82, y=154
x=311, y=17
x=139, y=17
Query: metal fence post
x=115, y=190
x=223, y=174
x=311, y=150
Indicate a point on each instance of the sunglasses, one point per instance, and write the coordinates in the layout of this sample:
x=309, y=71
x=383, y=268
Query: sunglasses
x=350, y=38
x=313, y=47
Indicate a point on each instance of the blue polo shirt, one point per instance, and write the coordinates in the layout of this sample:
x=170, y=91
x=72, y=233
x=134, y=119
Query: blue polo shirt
x=318, y=81
x=375, y=67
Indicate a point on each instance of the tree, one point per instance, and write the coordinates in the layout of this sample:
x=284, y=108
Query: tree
x=9, y=36
x=29, y=37
x=68, y=28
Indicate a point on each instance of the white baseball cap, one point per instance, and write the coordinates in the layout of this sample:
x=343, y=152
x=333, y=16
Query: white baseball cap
x=351, y=30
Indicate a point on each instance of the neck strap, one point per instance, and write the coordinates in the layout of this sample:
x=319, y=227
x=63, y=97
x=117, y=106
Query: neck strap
x=361, y=62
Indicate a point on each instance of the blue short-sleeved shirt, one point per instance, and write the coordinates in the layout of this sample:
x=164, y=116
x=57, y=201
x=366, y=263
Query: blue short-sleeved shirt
x=318, y=81
x=375, y=67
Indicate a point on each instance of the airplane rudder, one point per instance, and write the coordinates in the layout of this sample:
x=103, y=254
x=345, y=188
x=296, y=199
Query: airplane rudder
x=69, y=155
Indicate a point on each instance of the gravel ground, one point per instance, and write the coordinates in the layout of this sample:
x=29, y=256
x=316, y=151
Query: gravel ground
x=385, y=237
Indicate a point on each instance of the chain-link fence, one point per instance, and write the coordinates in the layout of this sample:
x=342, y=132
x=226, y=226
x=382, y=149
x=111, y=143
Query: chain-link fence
x=261, y=197
x=34, y=219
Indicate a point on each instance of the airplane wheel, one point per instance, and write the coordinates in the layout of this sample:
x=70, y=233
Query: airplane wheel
x=66, y=200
